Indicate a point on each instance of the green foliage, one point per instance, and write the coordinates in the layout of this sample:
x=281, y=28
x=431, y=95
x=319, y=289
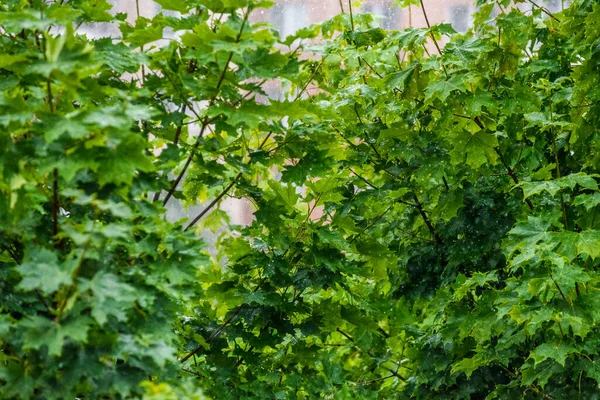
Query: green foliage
x=424, y=219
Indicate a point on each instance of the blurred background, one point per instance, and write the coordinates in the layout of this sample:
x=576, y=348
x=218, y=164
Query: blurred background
x=290, y=15
x=287, y=16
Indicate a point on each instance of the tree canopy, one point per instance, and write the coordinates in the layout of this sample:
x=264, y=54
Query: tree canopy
x=424, y=203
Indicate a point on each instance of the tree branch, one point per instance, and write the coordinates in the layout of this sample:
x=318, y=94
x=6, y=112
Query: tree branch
x=351, y=15
x=371, y=224
x=55, y=206
x=363, y=179
x=215, y=333
x=179, y=127
x=544, y=10
x=427, y=221
x=206, y=120
x=513, y=176
x=437, y=46
x=185, y=167
x=214, y=202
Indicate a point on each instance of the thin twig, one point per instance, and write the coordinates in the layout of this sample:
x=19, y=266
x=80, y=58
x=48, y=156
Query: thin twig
x=218, y=331
x=206, y=121
x=369, y=226
x=363, y=179
x=513, y=176
x=371, y=68
x=544, y=10
x=427, y=221
x=179, y=127
x=377, y=380
x=214, y=202
x=437, y=46
x=185, y=167
x=350, y=338
x=55, y=206
x=310, y=79
x=351, y=15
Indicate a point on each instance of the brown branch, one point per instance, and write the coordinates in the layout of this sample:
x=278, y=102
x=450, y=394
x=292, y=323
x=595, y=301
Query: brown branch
x=179, y=127
x=206, y=120
x=371, y=224
x=55, y=206
x=219, y=330
x=510, y=171
x=310, y=79
x=350, y=338
x=215, y=334
x=437, y=46
x=544, y=10
x=192, y=373
x=376, y=380
x=371, y=68
x=185, y=167
x=241, y=360
x=351, y=15
x=50, y=99
x=445, y=183
x=234, y=181
x=427, y=221
x=513, y=176
x=367, y=134
x=363, y=179
x=214, y=202
x=396, y=374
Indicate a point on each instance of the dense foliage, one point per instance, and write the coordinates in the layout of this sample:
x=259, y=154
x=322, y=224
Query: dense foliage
x=425, y=205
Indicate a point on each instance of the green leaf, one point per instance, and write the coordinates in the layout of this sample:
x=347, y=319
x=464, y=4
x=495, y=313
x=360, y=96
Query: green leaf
x=474, y=148
x=174, y=5
x=554, y=351
x=285, y=193
x=399, y=79
x=41, y=332
x=443, y=88
x=42, y=271
x=589, y=243
x=589, y=201
x=470, y=365
x=111, y=297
